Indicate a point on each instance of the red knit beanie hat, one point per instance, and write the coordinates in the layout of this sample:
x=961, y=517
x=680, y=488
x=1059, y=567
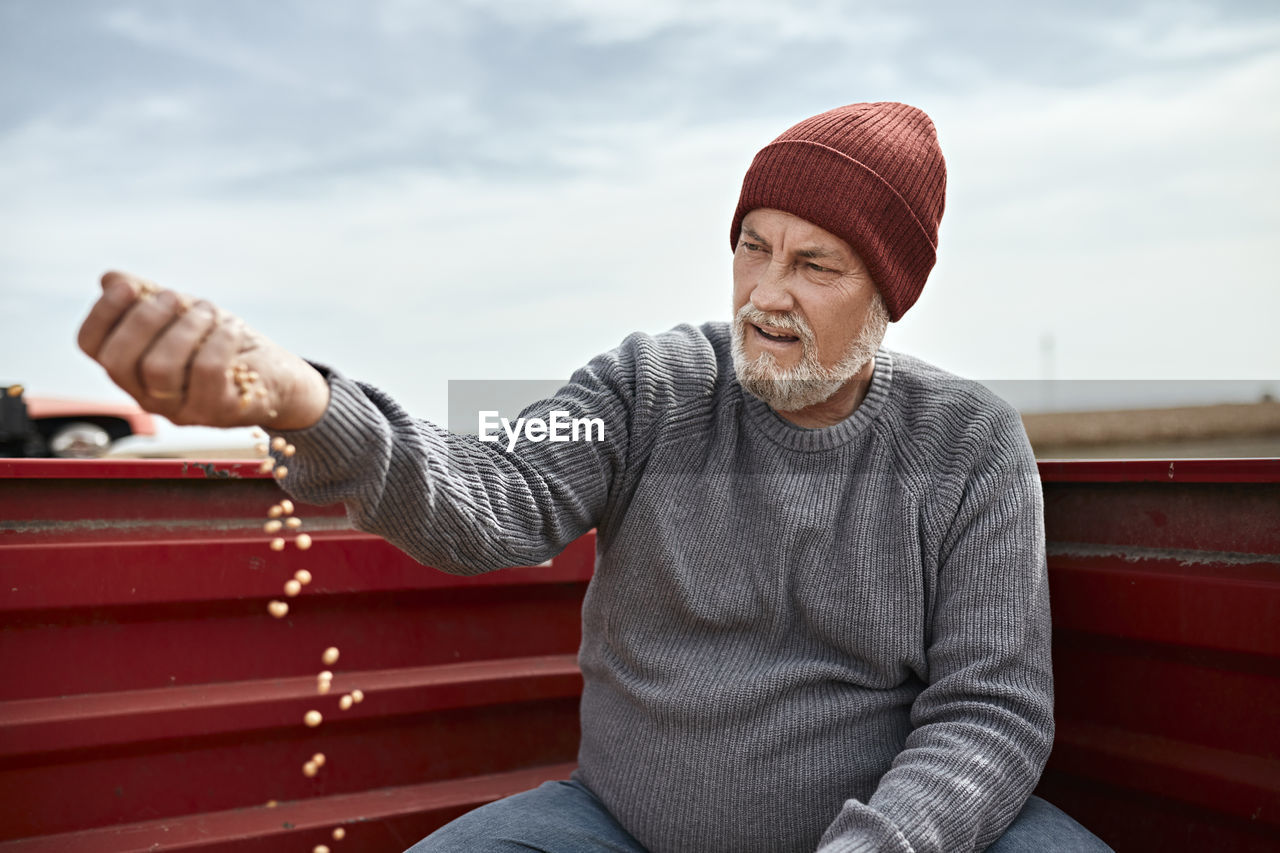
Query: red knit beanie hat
x=873, y=175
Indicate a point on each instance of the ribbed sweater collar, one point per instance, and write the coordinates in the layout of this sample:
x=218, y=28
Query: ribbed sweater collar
x=793, y=437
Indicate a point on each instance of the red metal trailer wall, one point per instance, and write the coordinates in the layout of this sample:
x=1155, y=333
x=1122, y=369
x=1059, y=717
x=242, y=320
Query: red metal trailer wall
x=1165, y=582
x=147, y=698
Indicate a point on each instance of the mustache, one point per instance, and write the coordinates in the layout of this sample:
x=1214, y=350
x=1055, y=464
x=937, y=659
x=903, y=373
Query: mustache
x=789, y=322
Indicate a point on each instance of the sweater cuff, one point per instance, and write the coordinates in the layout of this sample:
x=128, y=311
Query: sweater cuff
x=335, y=448
x=862, y=829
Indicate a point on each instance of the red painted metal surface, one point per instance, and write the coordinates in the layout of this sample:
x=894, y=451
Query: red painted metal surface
x=1165, y=580
x=148, y=701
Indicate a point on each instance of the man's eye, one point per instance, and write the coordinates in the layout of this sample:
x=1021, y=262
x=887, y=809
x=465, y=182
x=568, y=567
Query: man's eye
x=817, y=268
x=752, y=247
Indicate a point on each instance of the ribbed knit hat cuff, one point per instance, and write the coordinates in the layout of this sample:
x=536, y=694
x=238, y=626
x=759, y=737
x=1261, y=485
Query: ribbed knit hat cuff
x=841, y=195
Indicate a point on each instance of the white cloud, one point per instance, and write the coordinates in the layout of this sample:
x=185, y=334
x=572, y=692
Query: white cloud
x=1123, y=216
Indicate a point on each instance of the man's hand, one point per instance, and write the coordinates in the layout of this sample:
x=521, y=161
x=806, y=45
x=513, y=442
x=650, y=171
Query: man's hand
x=194, y=363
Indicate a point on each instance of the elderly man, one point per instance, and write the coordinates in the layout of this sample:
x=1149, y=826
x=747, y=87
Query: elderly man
x=819, y=618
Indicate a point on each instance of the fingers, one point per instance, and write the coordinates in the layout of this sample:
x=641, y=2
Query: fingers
x=135, y=333
x=119, y=292
x=211, y=396
x=164, y=366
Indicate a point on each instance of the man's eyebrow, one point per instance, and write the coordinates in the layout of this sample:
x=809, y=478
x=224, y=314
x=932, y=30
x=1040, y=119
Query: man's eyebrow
x=817, y=253
x=812, y=253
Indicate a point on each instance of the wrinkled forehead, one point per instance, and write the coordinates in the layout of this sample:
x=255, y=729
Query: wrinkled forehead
x=790, y=233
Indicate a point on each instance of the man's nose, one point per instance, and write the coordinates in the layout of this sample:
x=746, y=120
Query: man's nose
x=773, y=289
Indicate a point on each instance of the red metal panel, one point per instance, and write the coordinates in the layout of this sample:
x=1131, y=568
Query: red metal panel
x=142, y=678
x=1261, y=470
x=1165, y=581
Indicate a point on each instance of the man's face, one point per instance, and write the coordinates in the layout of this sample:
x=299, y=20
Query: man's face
x=802, y=299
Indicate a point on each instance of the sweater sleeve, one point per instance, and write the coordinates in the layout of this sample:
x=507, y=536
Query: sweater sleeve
x=983, y=725
x=455, y=502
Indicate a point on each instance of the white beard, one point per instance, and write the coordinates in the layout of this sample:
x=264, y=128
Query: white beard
x=808, y=383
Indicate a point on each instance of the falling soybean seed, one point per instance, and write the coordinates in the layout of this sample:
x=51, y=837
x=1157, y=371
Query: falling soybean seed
x=330, y=656
x=276, y=511
x=266, y=465
x=346, y=702
x=339, y=833
x=286, y=506
x=278, y=609
x=303, y=576
x=303, y=541
x=318, y=759
x=278, y=443
x=272, y=526
x=277, y=544
x=281, y=472
x=289, y=450
x=292, y=522
x=320, y=848
x=357, y=696
x=292, y=588
x=310, y=769
x=313, y=719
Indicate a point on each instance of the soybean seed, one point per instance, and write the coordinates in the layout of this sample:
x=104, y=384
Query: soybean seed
x=303, y=541
x=278, y=443
x=277, y=544
x=281, y=472
x=278, y=609
x=345, y=702
x=260, y=449
x=339, y=833
x=272, y=526
x=16, y=390
x=292, y=588
x=286, y=506
x=276, y=511
x=310, y=769
x=357, y=696
x=271, y=804
x=320, y=848
x=330, y=656
x=289, y=450
x=292, y=523
x=303, y=576
x=313, y=719
x=324, y=675
x=318, y=759
x=266, y=465
x=257, y=433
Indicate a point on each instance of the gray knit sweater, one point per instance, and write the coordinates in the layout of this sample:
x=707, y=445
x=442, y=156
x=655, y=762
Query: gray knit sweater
x=795, y=639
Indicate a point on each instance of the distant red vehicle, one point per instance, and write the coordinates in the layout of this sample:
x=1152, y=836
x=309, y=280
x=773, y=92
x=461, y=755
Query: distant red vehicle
x=65, y=428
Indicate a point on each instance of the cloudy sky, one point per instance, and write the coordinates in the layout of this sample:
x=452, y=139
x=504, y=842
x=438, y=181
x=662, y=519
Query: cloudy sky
x=423, y=191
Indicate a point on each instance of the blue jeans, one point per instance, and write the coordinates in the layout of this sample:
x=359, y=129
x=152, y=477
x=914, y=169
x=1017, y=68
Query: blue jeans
x=565, y=817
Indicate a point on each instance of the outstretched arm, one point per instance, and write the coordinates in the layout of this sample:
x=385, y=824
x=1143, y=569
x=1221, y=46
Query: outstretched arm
x=450, y=501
